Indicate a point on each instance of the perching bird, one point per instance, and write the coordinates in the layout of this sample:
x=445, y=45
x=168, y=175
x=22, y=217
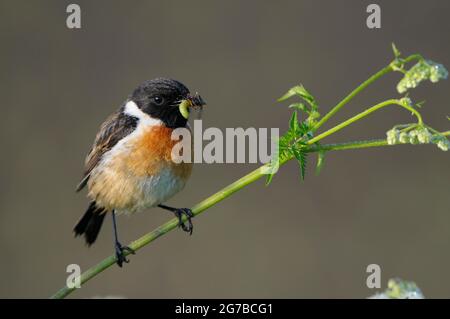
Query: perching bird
x=129, y=167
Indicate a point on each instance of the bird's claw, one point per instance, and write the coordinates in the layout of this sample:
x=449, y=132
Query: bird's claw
x=188, y=213
x=120, y=256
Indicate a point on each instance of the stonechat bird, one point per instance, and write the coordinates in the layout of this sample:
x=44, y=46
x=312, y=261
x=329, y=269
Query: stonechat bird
x=129, y=167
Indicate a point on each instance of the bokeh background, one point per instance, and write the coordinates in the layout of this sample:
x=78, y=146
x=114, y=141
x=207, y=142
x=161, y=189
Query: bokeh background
x=292, y=239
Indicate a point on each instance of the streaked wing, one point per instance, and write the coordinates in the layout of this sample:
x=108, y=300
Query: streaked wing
x=116, y=127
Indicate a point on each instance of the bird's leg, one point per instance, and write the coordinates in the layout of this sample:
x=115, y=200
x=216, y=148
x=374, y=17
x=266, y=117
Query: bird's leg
x=179, y=212
x=119, y=249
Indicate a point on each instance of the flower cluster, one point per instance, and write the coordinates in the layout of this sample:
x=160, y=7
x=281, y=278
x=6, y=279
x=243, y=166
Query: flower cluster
x=401, y=289
x=419, y=135
x=406, y=101
x=423, y=70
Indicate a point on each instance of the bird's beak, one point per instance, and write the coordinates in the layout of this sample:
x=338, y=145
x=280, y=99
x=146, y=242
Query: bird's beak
x=192, y=101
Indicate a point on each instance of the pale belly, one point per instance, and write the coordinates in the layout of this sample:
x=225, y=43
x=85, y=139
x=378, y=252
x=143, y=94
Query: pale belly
x=136, y=175
x=127, y=193
x=156, y=189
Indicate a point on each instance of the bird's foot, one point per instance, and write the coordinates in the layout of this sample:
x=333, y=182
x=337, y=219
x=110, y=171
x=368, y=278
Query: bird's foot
x=120, y=254
x=188, y=226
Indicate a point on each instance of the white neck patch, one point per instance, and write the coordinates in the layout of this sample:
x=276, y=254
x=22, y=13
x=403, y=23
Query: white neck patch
x=144, y=119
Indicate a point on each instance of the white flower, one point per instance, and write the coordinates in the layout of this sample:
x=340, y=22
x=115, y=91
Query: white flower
x=406, y=101
x=423, y=70
x=424, y=136
x=443, y=144
x=404, y=138
x=413, y=137
x=392, y=136
x=437, y=72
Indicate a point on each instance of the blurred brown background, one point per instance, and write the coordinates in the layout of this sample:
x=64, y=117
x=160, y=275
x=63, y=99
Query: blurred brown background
x=387, y=206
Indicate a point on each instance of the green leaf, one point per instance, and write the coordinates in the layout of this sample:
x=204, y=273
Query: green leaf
x=299, y=106
x=285, y=140
x=273, y=164
x=269, y=179
x=299, y=91
x=397, y=53
x=302, y=92
x=300, y=155
x=320, y=161
x=275, y=160
x=293, y=123
x=420, y=104
x=292, y=92
x=312, y=118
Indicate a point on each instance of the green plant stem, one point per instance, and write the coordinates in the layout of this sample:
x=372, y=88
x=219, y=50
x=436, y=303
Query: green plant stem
x=352, y=94
x=204, y=205
x=363, y=114
x=390, y=68
x=163, y=229
x=348, y=146
x=261, y=171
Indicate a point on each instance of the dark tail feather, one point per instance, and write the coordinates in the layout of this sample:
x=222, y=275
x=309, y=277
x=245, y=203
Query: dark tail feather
x=83, y=183
x=91, y=223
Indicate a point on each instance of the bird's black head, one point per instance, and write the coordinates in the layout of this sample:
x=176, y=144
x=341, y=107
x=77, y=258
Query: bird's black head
x=167, y=100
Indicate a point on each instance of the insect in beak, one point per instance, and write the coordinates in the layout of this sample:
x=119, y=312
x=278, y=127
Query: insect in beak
x=192, y=101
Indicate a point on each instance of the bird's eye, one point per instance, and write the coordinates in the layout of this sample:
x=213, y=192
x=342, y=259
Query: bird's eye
x=158, y=100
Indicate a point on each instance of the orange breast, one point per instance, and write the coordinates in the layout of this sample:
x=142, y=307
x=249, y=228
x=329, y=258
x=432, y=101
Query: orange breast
x=152, y=151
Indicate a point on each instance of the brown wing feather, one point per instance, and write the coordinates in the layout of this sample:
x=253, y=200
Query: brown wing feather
x=116, y=127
